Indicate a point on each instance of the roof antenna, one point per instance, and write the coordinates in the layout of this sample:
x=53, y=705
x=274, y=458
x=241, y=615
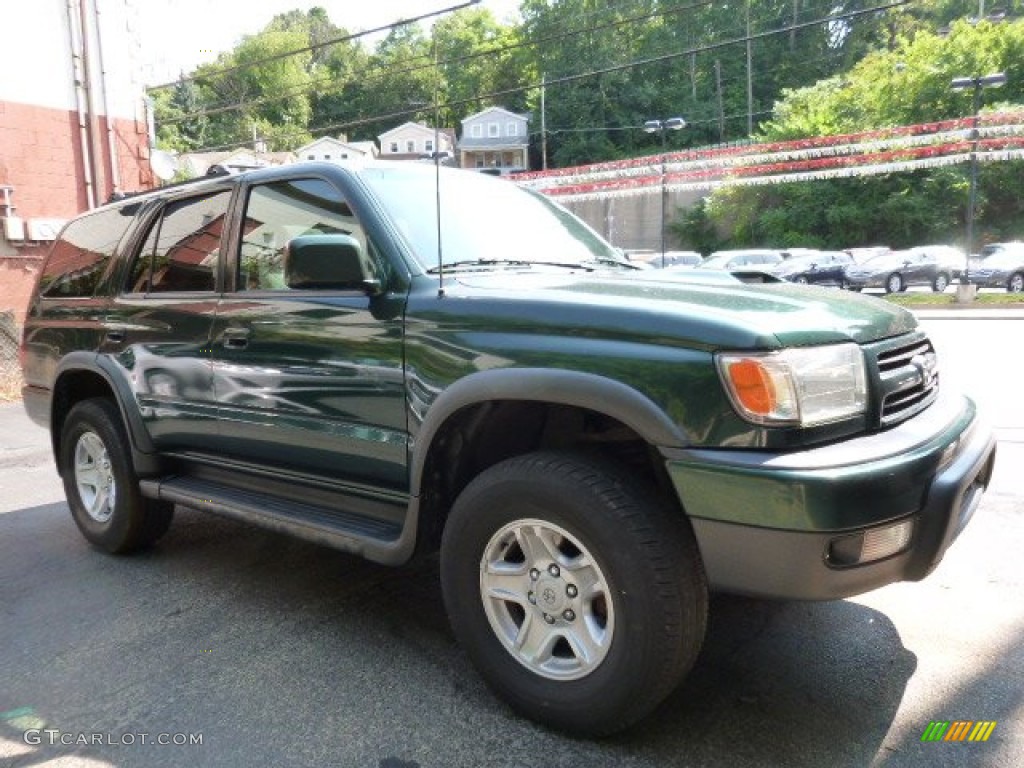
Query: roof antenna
x=437, y=173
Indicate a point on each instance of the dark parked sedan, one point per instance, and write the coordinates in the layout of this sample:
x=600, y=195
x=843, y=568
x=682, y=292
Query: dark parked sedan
x=935, y=266
x=1002, y=267
x=816, y=267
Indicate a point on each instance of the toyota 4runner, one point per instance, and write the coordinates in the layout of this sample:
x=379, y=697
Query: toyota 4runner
x=396, y=359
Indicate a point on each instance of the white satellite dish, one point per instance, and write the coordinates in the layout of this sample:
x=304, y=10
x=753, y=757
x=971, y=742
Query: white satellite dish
x=164, y=164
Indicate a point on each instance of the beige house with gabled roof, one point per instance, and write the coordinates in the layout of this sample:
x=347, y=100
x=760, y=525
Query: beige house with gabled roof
x=414, y=141
x=330, y=148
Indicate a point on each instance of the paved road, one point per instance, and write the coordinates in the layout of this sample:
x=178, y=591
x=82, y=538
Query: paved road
x=280, y=653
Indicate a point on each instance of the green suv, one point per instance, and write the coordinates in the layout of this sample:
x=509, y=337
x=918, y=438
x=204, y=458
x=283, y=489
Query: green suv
x=400, y=359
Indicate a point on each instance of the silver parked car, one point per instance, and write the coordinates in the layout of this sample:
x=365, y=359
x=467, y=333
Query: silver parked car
x=1001, y=265
x=933, y=265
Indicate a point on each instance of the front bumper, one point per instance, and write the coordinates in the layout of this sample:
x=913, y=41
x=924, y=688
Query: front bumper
x=765, y=522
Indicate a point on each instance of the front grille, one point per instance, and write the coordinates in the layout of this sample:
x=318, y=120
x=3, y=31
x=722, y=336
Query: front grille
x=909, y=381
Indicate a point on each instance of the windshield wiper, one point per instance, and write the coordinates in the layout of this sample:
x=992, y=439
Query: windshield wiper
x=606, y=261
x=476, y=264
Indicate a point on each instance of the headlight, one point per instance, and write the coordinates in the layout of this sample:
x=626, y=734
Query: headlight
x=803, y=386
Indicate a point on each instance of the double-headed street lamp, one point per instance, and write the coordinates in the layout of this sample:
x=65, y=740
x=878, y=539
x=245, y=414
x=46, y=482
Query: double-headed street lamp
x=993, y=80
x=662, y=127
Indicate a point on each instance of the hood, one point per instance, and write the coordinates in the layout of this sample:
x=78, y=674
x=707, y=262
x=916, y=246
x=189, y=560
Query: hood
x=701, y=309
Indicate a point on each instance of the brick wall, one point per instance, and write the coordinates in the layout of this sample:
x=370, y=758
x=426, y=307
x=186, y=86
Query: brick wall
x=41, y=159
x=17, y=279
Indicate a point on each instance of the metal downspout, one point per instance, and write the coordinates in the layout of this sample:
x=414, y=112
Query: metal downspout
x=115, y=165
x=97, y=147
x=77, y=79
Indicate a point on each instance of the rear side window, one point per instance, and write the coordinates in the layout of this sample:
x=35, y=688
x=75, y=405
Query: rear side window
x=81, y=254
x=182, y=247
x=279, y=211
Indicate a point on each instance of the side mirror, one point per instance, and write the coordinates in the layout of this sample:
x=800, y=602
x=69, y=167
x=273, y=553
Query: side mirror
x=322, y=262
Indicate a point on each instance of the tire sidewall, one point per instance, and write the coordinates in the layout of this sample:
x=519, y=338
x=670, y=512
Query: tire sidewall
x=610, y=686
x=96, y=417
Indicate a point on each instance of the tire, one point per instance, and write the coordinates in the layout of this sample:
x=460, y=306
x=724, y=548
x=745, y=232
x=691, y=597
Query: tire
x=1016, y=283
x=522, y=540
x=940, y=283
x=894, y=283
x=843, y=285
x=801, y=280
x=100, y=482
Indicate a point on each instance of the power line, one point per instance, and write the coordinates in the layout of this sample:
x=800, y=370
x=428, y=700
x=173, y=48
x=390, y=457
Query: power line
x=566, y=79
x=315, y=46
x=431, y=64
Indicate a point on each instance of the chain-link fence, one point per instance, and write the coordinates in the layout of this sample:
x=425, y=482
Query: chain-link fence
x=10, y=370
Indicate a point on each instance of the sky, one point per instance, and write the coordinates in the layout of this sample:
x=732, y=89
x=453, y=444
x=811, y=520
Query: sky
x=175, y=36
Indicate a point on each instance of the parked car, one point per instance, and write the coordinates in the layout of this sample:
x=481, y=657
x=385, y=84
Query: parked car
x=861, y=254
x=590, y=447
x=815, y=267
x=743, y=259
x=1000, y=266
x=656, y=260
x=934, y=266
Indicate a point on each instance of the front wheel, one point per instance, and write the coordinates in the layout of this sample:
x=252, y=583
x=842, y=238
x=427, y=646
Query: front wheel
x=100, y=482
x=940, y=283
x=1016, y=283
x=580, y=598
x=894, y=283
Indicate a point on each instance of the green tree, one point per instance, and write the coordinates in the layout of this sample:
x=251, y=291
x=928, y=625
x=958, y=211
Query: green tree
x=907, y=84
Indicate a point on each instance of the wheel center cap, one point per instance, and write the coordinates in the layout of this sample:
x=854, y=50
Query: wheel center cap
x=551, y=597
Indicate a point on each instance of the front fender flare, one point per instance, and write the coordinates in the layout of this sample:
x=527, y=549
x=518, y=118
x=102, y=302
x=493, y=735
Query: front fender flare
x=560, y=387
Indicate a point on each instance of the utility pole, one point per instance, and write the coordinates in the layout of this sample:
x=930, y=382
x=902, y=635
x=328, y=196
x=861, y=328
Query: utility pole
x=750, y=80
x=543, y=123
x=721, y=108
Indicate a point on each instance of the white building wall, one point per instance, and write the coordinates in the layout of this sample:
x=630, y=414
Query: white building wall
x=37, y=44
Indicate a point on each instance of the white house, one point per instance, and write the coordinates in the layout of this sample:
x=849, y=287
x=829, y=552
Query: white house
x=412, y=141
x=495, y=139
x=329, y=148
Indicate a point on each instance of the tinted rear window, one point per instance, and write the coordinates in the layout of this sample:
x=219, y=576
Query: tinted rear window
x=82, y=252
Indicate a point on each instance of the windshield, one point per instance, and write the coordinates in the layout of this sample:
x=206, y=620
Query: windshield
x=483, y=219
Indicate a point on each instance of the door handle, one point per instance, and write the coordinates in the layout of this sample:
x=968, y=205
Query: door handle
x=236, y=338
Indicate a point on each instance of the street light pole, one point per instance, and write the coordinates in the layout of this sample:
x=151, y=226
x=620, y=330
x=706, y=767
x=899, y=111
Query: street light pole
x=661, y=126
x=994, y=80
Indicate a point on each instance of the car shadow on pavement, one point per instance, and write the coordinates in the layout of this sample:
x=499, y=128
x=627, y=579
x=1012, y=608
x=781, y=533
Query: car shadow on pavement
x=785, y=683
x=285, y=653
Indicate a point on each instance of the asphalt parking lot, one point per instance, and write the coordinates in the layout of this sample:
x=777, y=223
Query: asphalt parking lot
x=276, y=652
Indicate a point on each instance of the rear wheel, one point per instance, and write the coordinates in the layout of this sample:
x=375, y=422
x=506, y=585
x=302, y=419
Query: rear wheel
x=894, y=283
x=580, y=598
x=801, y=279
x=100, y=482
x=1016, y=283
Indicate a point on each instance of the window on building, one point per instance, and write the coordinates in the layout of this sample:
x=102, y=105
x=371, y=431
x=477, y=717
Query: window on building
x=311, y=157
x=394, y=147
x=511, y=128
x=476, y=131
x=428, y=145
x=493, y=130
x=410, y=146
x=327, y=157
